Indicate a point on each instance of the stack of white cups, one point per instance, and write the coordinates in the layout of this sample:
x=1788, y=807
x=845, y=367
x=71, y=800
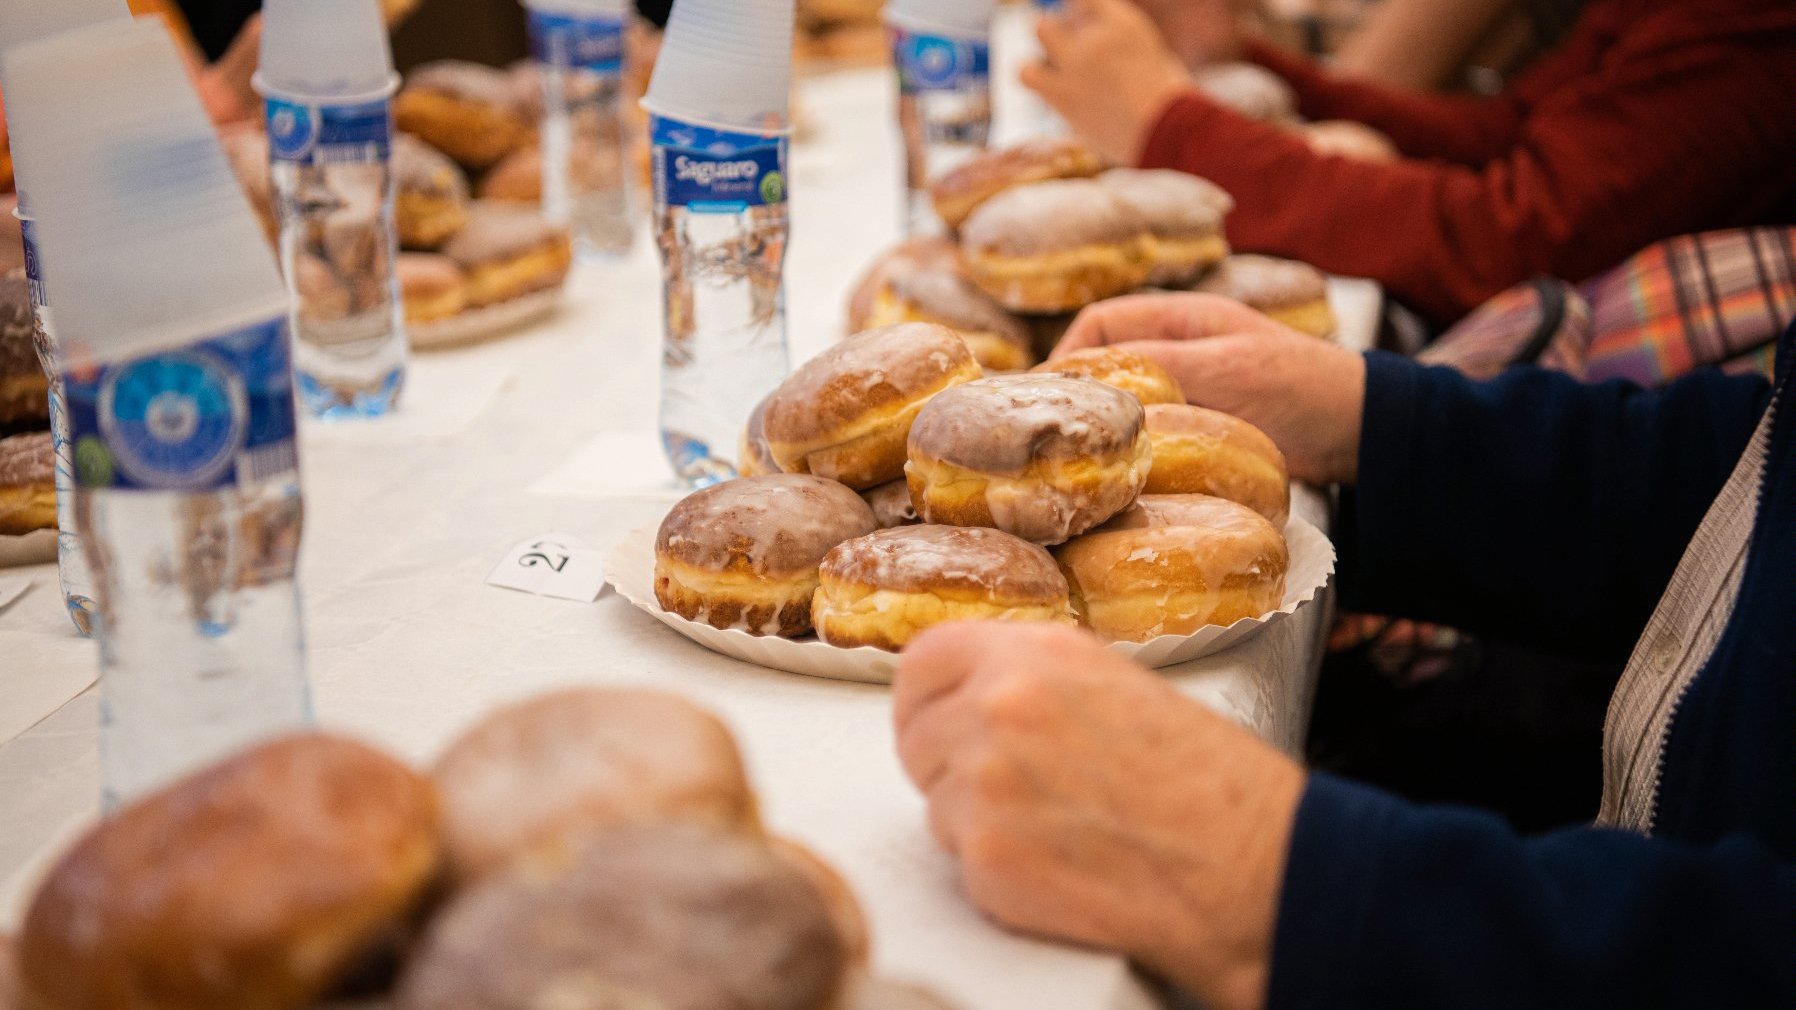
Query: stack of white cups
x=22, y=22
x=726, y=64
x=327, y=79
x=174, y=350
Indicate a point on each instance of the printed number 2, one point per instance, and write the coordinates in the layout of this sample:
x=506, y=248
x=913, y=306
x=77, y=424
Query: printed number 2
x=556, y=563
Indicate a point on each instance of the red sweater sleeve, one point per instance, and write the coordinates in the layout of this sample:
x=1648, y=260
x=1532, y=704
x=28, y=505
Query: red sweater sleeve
x=1463, y=129
x=1684, y=126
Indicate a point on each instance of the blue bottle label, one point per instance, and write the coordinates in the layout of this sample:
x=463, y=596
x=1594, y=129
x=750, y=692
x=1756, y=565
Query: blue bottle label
x=711, y=171
x=215, y=413
x=576, y=42
x=940, y=63
x=34, y=269
x=306, y=134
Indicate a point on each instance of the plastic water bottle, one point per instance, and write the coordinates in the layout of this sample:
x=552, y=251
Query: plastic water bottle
x=578, y=48
x=71, y=564
x=1034, y=117
x=718, y=105
x=174, y=349
x=327, y=82
x=942, y=49
x=21, y=22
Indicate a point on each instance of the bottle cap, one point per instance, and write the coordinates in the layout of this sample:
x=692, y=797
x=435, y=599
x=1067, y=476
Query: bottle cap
x=726, y=64
x=955, y=18
x=325, y=52
x=147, y=240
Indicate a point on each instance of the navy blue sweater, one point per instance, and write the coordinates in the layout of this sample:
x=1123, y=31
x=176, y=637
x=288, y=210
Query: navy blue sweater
x=1554, y=513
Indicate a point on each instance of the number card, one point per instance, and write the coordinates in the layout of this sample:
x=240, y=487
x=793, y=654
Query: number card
x=554, y=564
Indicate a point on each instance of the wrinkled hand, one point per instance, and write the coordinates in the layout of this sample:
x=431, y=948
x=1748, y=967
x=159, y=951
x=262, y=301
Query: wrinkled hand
x=1108, y=73
x=1307, y=394
x=1087, y=799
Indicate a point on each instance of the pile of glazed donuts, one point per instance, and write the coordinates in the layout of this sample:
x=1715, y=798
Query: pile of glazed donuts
x=467, y=245
x=586, y=848
x=1042, y=230
x=892, y=486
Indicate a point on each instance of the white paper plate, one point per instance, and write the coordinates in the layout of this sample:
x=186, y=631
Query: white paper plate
x=486, y=323
x=631, y=569
x=35, y=548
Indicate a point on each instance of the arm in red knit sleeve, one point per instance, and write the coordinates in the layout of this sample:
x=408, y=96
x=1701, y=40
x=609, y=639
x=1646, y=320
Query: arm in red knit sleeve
x=1462, y=129
x=1685, y=127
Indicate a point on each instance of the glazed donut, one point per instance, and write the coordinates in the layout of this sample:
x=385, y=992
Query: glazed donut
x=1044, y=457
x=1200, y=451
x=517, y=179
x=844, y=908
x=743, y=554
x=509, y=251
x=464, y=110
x=1249, y=89
x=1170, y=569
x=261, y=882
x=940, y=293
x=432, y=287
x=960, y=192
x=1293, y=293
x=24, y=388
x=430, y=200
x=891, y=505
x=883, y=590
x=755, y=459
x=1129, y=371
x=1348, y=139
x=845, y=413
x=529, y=781
x=1055, y=246
x=666, y=916
x=1183, y=214
x=913, y=253
x=27, y=483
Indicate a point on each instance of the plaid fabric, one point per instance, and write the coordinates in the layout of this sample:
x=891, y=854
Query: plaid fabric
x=1544, y=322
x=1720, y=298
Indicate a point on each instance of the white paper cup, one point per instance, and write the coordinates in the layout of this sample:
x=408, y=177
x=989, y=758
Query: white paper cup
x=146, y=238
x=967, y=19
x=26, y=21
x=586, y=8
x=324, y=51
x=726, y=64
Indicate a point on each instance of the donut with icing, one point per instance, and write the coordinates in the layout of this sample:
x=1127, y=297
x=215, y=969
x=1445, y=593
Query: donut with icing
x=27, y=483
x=1183, y=214
x=509, y=251
x=432, y=287
x=743, y=554
x=1173, y=564
x=430, y=199
x=1201, y=451
x=1129, y=371
x=755, y=459
x=531, y=779
x=24, y=388
x=1043, y=457
x=922, y=284
x=845, y=414
x=958, y=193
x=891, y=505
x=883, y=590
x=1293, y=293
x=463, y=109
x=1055, y=246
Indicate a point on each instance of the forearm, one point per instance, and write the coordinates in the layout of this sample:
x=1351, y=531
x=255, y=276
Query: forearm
x=1387, y=905
x=1532, y=506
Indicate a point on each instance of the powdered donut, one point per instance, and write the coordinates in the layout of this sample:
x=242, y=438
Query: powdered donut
x=1184, y=217
x=1055, y=246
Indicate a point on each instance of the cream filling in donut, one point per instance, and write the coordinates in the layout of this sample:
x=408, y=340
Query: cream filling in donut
x=1317, y=318
x=1125, y=258
x=851, y=614
x=1048, y=505
x=711, y=588
x=1195, y=251
x=992, y=350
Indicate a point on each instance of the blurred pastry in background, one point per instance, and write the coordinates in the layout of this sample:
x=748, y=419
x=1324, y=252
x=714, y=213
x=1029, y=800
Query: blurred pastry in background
x=1183, y=214
x=1349, y=140
x=27, y=489
x=430, y=194
x=1249, y=89
x=960, y=192
x=465, y=110
x=432, y=287
x=24, y=388
x=508, y=251
x=1293, y=293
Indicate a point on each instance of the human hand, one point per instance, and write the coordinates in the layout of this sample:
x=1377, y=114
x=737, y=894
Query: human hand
x=1087, y=799
x=1108, y=73
x=1306, y=394
x=1200, y=31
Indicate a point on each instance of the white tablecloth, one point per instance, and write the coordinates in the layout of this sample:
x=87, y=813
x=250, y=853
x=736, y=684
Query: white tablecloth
x=554, y=430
